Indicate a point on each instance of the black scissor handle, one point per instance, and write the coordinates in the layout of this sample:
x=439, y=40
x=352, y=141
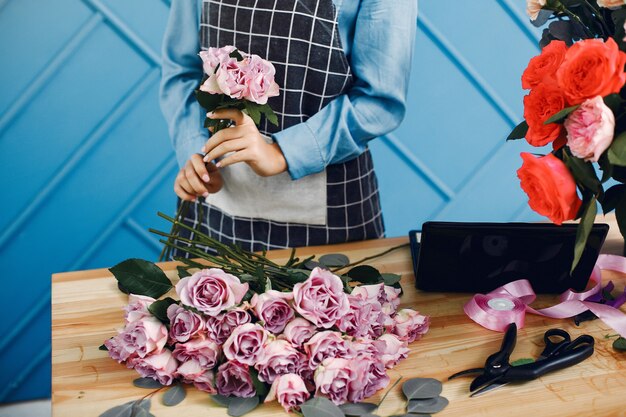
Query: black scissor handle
x=553, y=347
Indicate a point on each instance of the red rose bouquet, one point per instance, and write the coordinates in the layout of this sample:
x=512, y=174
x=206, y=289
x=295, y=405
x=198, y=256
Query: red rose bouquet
x=576, y=103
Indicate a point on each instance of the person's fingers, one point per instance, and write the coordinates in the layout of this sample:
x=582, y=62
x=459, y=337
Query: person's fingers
x=240, y=156
x=222, y=149
x=221, y=137
x=179, y=190
x=231, y=114
x=194, y=181
x=200, y=167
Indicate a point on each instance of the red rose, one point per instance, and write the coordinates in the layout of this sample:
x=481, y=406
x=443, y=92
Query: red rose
x=550, y=187
x=542, y=68
x=543, y=102
x=591, y=68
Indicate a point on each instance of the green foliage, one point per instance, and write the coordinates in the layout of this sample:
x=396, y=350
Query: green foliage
x=175, y=395
x=159, y=309
x=584, y=228
x=141, y=277
x=519, y=132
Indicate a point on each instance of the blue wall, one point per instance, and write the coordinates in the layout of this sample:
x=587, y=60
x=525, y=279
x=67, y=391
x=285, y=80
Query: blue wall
x=86, y=160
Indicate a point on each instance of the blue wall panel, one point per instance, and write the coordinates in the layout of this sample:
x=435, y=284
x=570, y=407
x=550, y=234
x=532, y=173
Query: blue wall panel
x=86, y=160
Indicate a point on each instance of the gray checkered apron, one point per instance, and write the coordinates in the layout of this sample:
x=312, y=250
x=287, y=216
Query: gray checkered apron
x=299, y=37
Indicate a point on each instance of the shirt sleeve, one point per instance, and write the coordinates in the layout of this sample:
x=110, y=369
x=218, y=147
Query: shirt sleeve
x=180, y=74
x=381, y=57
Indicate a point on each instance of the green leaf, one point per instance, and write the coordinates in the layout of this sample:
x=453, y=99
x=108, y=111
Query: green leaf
x=583, y=230
x=237, y=406
x=421, y=388
x=613, y=101
x=182, y=272
x=357, y=409
x=103, y=347
x=334, y=260
x=620, y=344
x=129, y=409
x=221, y=400
x=253, y=111
x=562, y=115
x=141, y=277
x=269, y=114
x=522, y=361
x=391, y=279
x=620, y=215
x=147, y=383
x=175, y=395
x=612, y=197
x=159, y=309
x=606, y=167
x=261, y=388
x=583, y=172
x=365, y=274
x=210, y=102
x=519, y=132
x=617, y=150
x=236, y=54
x=320, y=407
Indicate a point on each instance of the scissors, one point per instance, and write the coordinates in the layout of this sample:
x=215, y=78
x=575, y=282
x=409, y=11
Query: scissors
x=560, y=352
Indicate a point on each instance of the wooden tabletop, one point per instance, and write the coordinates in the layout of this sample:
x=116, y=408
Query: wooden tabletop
x=87, y=309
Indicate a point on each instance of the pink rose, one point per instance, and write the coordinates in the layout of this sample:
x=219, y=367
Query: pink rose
x=228, y=79
x=161, y=367
x=213, y=57
x=137, y=307
x=363, y=348
x=272, y=307
x=259, y=79
x=533, y=7
x=233, y=379
x=409, y=325
x=246, y=344
x=298, y=331
x=204, y=351
x=193, y=373
x=333, y=378
x=391, y=350
x=321, y=299
x=279, y=358
x=590, y=129
x=289, y=390
x=222, y=326
x=360, y=318
x=326, y=344
x=369, y=376
x=211, y=291
x=138, y=339
x=184, y=324
x=388, y=297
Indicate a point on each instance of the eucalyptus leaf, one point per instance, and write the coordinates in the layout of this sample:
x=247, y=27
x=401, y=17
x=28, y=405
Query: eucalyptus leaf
x=617, y=150
x=421, y=388
x=357, y=409
x=562, y=115
x=620, y=344
x=365, y=274
x=141, y=412
x=427, y=406
x=175, y=395
x=583, y=230
x=221, y=400
x=519, y=132
x=141, y=277
x=159, y=309
x=522, y=361
x=320, y=407
x=129, y=409
x=237, y=406
x=334, y=260
x=391, y=279
x=311, y=265
x=148, y=383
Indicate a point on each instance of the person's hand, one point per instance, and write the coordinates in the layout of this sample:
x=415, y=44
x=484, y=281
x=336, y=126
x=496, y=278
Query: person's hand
x=197, y=178
x=246, y=143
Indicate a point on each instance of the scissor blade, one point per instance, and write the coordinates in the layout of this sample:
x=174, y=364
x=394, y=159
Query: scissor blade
x=483, y=380
x=488, y=388
x=467, y=372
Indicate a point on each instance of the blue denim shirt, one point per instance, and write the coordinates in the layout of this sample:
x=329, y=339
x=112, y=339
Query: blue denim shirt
x=378, y=38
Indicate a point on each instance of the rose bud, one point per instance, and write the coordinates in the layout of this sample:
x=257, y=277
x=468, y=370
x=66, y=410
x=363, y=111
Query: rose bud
x=289, y=390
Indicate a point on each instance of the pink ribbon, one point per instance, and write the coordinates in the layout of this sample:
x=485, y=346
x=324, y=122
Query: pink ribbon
x=509, y=303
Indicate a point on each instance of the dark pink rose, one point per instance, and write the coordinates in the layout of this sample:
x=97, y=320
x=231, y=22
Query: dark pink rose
x=211, y=291
x=192, y=372
x=273, y=309
x=298, y=331
x=279, y=358
x=391, y=350
x=204, y=351
x=137, y=307
x=220, y=327
x=138, y=339
x=184, y=324
x=289, y=390
x=321, y=299
x=246, y=344
x=233, y=379
x=409, y=325
x=333, y=378
x=326, y=344
x=360, y=318
x=161, y=367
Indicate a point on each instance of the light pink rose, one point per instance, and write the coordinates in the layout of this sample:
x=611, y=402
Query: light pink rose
x=333, y=378
x=222, y=326
x=138, y=339
x=228, y=79
x=363, y=348
x=387, y=296
x=273, y=309
x=211, y=291
x=279, y=358
x=184, y=324
x=326, y=344
x=409, y=325
x=321, y=299
x=246, y=344
x=611, y=3
x=137, y=307
x=369, y=376
x=298, y=331
x=360, y=318
x=161, y=367
x=391, y=350
x=233, y=379
x=259, y=79
x=204, y=351
x=289, y=390
x=533, y=7
x=193, y=373
x=213, y=57
x=590, y=129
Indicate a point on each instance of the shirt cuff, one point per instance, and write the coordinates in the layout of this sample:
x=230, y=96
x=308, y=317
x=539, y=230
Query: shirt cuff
x=188, y=147
x=301, y=150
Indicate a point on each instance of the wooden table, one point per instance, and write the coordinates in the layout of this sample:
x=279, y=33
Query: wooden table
x=87, y=309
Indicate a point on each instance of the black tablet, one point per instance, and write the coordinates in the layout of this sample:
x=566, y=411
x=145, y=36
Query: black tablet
x=479, y=257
